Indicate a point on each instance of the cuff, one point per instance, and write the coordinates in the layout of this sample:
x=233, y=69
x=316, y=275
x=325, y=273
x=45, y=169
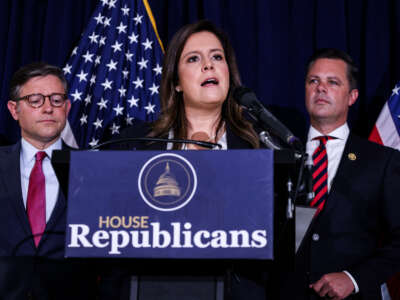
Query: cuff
x=356, y=289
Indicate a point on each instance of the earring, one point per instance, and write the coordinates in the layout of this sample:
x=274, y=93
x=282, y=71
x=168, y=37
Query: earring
x=178, y=89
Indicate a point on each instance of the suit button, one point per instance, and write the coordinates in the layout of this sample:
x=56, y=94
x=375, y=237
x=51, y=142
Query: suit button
x=315, y=237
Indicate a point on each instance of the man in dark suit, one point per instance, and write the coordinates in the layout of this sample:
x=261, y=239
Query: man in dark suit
x=33, y=208
x=356, y=185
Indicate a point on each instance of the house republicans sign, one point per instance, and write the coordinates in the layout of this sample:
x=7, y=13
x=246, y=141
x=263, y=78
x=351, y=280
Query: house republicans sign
x=171, y=204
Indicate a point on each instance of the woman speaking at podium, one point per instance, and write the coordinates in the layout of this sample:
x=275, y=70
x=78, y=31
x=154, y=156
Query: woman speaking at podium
x=199, y=75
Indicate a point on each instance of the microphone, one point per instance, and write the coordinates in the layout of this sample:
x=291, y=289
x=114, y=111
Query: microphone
x=247, y=98
x=203, y=144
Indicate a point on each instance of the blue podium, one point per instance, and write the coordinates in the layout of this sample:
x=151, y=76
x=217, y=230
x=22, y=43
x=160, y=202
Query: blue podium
x=194, y=216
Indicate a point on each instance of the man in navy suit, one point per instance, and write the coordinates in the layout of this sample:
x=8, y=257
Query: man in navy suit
x=353, y=243
x=32, y=236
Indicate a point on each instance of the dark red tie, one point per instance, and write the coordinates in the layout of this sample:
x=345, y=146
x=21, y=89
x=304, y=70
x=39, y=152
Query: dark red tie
x=36, y=200
x=320, y=173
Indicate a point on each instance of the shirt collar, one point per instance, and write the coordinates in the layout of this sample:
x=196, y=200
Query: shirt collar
x=28, y=151
x=341, y=133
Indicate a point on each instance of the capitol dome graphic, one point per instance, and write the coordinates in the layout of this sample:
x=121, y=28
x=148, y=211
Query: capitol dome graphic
x=167, y=185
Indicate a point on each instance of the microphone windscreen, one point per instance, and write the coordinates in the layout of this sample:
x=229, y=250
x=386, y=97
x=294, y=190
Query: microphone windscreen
x=244, y=96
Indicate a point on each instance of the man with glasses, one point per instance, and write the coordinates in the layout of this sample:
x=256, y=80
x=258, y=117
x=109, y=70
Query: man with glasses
x=32, y=206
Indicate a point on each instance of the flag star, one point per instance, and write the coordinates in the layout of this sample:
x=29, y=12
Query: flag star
x=102, y=104
x=82, y=76
x=138, y=82
x=147, y=44
x=107, y=84
x=149, y=108
x=116, y=46
x=128, y=120
x=142, y=63
x=99, y=19
x=104, y=2
x=107, y=22
x=121, y=28
x=118, y=110
x=114, y=129
x=125, y=10
x=93, y=143
x=98, y=124
x=395, y=91
x=83, y=119
x=112, y=65
x=111, y=3
x=128, y=56
x=93, y=38
x=102, y=41
x=76, y=95
x=74, y=51
x=138, y=19
x=88, y=56
x=133, y=101
x=88, y=99
x=154, y=89
x=122, y=91
x=67, y=69
x=92, y=79
x=158, y=69
x=125, y=73
x=133, y=38
x=97, y=60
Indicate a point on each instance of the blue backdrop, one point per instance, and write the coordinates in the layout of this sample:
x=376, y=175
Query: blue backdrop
x=272, y=39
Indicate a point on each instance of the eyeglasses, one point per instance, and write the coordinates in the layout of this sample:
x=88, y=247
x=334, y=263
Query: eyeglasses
x=37, y=100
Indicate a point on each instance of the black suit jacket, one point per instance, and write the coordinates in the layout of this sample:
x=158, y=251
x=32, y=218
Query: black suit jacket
x=27, y=272
x=363, y=203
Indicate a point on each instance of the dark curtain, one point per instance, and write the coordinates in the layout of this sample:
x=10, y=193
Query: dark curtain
x=272, y=39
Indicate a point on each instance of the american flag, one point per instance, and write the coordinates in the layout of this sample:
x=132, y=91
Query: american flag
x=387, y=132
x=387, y=128
x=114, y=73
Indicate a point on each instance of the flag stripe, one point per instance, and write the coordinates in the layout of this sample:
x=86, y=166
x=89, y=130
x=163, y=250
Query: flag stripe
x=387, y=129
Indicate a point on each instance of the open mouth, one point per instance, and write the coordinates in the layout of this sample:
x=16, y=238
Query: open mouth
x=210, y=81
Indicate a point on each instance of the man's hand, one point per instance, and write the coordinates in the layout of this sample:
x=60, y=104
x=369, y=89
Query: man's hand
x=335, y=286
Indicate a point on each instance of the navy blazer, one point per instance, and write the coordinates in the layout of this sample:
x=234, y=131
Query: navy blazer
x=359, y=227
x=26, y=271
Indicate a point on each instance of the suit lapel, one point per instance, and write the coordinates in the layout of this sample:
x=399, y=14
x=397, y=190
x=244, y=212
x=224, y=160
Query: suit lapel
x=11, y=166
x=344, y=171
x=235, y=142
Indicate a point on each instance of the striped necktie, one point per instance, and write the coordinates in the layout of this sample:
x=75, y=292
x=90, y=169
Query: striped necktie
x=320, y=173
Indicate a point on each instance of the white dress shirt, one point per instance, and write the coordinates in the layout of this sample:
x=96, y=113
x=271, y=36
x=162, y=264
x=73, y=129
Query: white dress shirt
x=334, y=151
x=27, y=161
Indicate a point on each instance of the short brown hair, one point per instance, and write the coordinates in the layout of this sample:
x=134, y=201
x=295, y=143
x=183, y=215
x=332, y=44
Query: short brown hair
x=352, y=70
x=25, y=73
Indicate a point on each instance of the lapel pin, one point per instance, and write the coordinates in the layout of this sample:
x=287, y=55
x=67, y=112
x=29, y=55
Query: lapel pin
x=352, y=156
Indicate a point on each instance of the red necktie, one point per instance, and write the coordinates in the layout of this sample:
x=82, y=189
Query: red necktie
x=36, y=200
x=320, y=173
